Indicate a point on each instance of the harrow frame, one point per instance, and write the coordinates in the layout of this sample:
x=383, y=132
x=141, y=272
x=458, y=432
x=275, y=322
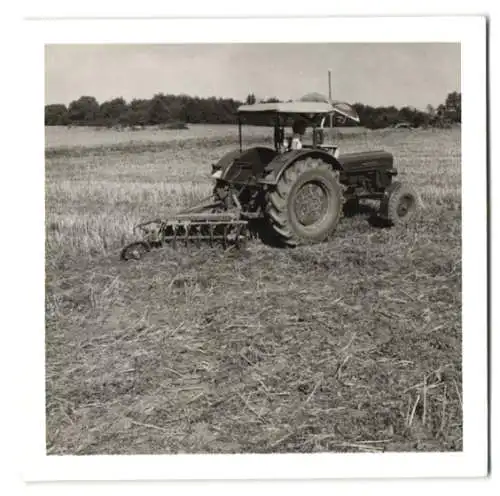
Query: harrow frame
x=207, y=222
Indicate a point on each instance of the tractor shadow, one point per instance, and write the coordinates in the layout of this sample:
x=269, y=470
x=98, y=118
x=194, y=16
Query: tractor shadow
x=370, y=212
x=260, y=229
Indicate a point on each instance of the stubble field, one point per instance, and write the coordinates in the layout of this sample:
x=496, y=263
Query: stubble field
x=350, y=345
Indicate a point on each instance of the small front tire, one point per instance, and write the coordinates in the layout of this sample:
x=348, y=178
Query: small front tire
x=400, y=204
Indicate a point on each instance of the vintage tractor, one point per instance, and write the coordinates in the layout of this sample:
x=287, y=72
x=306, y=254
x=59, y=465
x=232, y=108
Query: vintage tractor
x=291, y=193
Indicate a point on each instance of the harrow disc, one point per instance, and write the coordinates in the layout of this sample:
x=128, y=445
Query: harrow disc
x=134, y=251
x=188, y=230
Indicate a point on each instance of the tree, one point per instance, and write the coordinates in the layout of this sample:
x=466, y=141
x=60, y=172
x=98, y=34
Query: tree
x=273, y=99
x=111, y=111
x=406, y=114
x=192, y=111
x=419, y=119
x=136, y=113
x=250, y=99
x=175, y=108
x=84, y=111
x=441, y=119
x=453, y=106
x=56, y=115
x=163, y=108
x=158, y=112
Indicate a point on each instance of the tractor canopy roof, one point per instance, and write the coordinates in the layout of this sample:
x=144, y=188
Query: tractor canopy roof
x=301, y=107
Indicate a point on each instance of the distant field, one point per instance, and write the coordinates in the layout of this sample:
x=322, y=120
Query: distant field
x=58, y=136
x=61, y=136
x=350, y=345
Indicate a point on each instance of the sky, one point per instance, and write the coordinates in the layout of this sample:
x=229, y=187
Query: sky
x=413, y=74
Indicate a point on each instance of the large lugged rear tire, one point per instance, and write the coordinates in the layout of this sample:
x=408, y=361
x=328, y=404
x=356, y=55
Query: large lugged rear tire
x=307, y=185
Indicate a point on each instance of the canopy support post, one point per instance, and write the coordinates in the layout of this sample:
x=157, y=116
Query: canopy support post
x=239, y=133
x=277, y=132
x=330, y=94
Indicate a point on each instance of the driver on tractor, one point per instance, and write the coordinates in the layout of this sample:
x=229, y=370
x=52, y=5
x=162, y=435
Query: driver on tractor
x=299, y=129
x=295, y=142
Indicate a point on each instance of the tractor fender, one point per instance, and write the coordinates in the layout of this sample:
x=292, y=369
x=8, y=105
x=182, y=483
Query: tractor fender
x=225, y=161
x=274, y=170
x=240, y=165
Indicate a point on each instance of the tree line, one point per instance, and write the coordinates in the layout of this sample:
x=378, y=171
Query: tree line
x=444, y=115
x=179, y=110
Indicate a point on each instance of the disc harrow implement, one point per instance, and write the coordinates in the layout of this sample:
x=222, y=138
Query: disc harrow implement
x=222, y=228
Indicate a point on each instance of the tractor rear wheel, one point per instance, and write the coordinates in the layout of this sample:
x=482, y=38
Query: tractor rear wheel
x=306, y=204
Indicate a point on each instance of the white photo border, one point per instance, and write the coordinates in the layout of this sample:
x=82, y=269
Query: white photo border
x=470, y=32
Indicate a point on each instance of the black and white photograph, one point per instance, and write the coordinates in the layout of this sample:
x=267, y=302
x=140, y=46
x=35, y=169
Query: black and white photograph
x=256, y=248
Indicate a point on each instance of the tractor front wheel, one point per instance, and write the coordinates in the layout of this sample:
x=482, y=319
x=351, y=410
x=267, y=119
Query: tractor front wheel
x=400, y=204
x=306, y=204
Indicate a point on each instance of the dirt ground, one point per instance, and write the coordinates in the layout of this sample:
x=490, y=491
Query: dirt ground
x=352, y=345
